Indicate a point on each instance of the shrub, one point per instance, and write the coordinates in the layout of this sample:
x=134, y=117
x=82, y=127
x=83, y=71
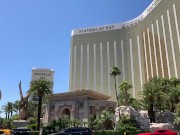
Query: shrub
x=34, y=132
x=107, y=132
x=112, y=132
x=32, y=120
x=32, y=126
x=127, y=123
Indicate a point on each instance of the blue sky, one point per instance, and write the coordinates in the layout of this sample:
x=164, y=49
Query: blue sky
x=37, y=33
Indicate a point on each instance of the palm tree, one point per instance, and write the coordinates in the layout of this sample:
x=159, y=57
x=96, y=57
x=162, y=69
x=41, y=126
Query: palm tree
x=5, y=110
x=174, y=92
x=42, y=88
x=16, y=106
x=154, y=95
x=114, y=72
x=8, y=109
x=124, y=87
x=173, y=97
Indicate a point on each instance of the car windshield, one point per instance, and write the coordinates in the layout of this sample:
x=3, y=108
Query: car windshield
x=21, y=129
x=61, y=131
x=68, y=130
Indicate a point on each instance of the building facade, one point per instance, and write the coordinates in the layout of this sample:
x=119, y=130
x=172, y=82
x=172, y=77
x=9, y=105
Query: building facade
x=142, y=48
x=42, y=73
x=81, y=105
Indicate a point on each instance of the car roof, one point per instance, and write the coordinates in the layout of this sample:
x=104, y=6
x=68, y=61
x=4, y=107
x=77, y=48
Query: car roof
x=77, y=128
x=22, y=128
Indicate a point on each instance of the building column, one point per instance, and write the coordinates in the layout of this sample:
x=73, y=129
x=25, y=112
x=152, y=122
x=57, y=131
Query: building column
x=72, y=111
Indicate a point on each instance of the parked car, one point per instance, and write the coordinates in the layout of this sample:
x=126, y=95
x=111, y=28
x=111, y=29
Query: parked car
x=160, y=132
x=75, y=131
x=21, y=131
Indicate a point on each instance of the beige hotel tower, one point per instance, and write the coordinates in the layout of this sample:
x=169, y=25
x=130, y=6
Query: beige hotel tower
x=142, y=48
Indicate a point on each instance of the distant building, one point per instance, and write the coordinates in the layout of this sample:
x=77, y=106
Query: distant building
x=80, y=104
x=142, y=48
x=41, y=73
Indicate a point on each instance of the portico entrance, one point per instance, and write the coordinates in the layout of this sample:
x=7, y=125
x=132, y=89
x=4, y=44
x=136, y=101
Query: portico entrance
x=66, y=112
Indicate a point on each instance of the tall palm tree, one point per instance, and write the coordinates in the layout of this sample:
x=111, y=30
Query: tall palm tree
x=42, y=88
x=114, y=72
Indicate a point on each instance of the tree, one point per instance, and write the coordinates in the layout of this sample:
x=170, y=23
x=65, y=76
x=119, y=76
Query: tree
x=114, y=72
x=32, y=109
x=177, y=117
x=59, y=123
x=75, y=122
x=105, y=118
x=42, y=88
x=16, y=106
x=150, y=92
x=155, y=95
x=65, y=121
x=5, y=110
x=8, y=109
x=174, y=92
x=124, y=87
x=127, y=123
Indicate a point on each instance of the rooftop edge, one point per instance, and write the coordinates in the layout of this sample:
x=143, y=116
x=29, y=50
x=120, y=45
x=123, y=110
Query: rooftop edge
x=108, y=27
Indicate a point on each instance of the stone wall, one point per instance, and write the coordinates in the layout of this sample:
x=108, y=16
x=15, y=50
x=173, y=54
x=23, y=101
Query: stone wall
x=164, y=117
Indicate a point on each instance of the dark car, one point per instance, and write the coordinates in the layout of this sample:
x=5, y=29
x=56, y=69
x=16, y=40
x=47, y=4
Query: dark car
x=160, y=132
x=21, y=131
x=75, y=131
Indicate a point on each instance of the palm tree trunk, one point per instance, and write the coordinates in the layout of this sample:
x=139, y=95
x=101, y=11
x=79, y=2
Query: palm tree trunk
x=126, y=98
x=116, y=95
x=8, y=115
x=39, y=112
x=172, y=106
x=151, y=113
x=11, y=113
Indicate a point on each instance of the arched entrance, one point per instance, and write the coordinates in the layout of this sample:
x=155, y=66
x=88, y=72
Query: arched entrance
x=66, y=112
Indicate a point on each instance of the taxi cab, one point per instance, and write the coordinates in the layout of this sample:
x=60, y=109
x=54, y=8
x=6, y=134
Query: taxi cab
x=5, y=132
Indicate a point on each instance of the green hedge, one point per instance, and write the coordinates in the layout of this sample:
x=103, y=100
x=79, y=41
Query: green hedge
x=107, y=132
x=103, y=132
x=34, y=132
x=112, y=132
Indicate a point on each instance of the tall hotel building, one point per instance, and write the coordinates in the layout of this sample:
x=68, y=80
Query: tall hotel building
x=142, y=48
